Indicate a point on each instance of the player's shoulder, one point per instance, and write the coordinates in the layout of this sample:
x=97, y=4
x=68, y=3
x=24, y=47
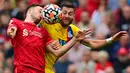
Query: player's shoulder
x=73, y=26
x=44, y=30
x=16, y=20
x=45, y=25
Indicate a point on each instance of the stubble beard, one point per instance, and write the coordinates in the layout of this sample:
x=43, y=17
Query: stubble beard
x=66, y=25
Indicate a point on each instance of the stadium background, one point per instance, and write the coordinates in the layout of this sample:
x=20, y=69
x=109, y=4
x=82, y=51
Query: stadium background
x=105, y=17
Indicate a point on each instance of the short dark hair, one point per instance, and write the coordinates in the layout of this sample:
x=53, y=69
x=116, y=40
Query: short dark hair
x=31, y=6
x=67, y=3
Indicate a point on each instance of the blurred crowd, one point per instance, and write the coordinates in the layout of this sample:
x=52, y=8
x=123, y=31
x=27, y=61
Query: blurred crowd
x=104, y=17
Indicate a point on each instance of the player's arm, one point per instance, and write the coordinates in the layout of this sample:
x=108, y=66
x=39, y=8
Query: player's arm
x=100, y=43
x=62, y=50
x=12, y=29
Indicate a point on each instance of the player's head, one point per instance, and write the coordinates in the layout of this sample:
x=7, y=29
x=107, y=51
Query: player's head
x=68, y=10
x=34, y=12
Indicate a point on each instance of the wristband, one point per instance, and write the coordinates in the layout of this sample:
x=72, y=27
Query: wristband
x=109, y=40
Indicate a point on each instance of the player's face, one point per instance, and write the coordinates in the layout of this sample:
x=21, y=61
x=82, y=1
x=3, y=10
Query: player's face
x=67, y=16
x=36, y=13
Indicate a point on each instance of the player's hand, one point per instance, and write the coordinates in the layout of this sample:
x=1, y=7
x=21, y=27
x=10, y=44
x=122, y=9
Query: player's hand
x=56, y=45
x=80, y=35
x=11, y=32
x=118, y=35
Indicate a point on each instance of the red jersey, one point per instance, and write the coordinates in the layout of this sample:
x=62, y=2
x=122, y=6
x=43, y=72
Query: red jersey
x=100, y=68
x=29, y=44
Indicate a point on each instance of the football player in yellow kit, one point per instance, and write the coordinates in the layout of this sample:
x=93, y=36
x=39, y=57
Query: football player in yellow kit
x=65, y=30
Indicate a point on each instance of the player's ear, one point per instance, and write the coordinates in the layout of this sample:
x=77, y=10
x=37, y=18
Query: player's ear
x=29, y=11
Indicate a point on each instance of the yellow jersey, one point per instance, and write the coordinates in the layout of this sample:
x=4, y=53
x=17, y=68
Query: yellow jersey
x=57, y=32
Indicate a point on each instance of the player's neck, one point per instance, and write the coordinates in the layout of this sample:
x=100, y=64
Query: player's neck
x=64, y=26
x=29, y=20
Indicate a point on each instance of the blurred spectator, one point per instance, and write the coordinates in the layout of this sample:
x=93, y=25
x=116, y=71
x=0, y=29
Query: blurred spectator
x=72, y=68
x=6, y=6
x=2, y=60
x=5, y=44
x=92, y=5
x=103, y=62
x=113, y=30
x=112, y=48
x=86, y=63
x=122, y=61
x=4, y=20
x=9, y=63
x=34, y=2
x=84, y=21
x=128, y=2
x=124, y=20
x=123, y=43
x=109, y=70
x=62, y=64
x=1, y=4
x=99, y=36
x=127, y=69
x=122, y=3
x=54, y=1
x=94, y=56
x=45, y=2
x=113, y=4
x=97, y=14
x=75, y=54
x=85, y=71
x=80, y=9
x=106, y=22
x=7, y=70
x=18, y=12
x=129, y=54
x=118, y=13
x=1, y=44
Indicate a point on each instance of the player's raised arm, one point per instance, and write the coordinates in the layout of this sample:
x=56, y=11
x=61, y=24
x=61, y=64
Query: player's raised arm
x=100, y=43
x=12, y=29
x=62, y=50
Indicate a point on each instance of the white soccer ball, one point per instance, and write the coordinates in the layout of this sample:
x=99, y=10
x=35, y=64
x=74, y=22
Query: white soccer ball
x=51, y=14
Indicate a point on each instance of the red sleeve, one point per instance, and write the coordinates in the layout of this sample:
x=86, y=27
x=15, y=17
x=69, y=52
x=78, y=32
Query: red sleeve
x=47, y=38
x=12, y=23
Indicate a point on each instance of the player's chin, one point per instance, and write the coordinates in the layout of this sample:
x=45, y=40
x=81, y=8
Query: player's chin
x=66, y=22
x=37, y=21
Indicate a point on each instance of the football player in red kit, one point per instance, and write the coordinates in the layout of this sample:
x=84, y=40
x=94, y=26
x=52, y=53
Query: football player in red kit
x=29, y=42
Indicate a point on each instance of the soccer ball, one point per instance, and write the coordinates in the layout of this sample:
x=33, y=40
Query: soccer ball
x=51, y=14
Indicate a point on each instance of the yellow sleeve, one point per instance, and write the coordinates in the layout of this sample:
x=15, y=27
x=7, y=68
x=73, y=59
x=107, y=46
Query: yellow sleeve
x=74, y=28
x=43, y=24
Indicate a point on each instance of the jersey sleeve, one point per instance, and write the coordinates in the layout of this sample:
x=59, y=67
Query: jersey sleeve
x=47, y=38
x=42, y=24
x=75, y=29
x=12, y=23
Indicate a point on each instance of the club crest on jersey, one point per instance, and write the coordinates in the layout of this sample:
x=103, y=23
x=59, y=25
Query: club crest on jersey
x=70, y=34
x=25, y=32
